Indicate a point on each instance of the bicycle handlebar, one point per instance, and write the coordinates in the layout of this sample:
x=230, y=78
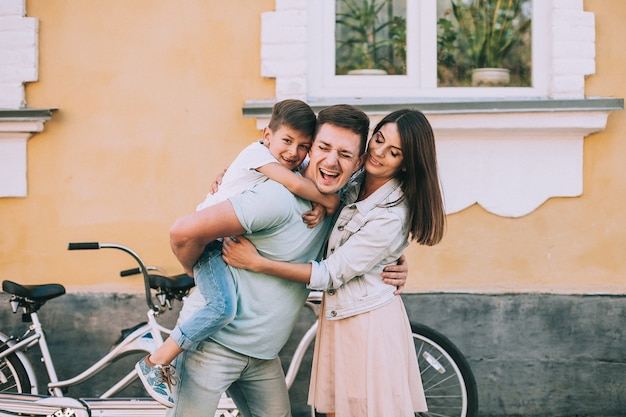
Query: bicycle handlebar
x=83, y=246
x=142, y=267
x=128, y=272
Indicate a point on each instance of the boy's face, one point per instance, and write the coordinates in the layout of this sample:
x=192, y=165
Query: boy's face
x=287, y=145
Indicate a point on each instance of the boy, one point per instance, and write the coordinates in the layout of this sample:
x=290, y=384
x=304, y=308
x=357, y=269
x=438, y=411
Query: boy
x=286, y=142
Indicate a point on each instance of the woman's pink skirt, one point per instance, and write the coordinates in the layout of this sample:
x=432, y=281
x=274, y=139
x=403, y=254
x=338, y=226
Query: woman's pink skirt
x=366, y=365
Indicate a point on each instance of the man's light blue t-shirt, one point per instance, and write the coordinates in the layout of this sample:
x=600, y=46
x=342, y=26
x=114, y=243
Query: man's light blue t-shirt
x=267, y=307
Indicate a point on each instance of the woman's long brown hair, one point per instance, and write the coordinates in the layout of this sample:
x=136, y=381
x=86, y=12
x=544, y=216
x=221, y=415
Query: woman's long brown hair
x=419, y=180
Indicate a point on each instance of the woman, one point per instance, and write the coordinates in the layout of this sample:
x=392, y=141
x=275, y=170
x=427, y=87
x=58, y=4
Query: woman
x=364, y=362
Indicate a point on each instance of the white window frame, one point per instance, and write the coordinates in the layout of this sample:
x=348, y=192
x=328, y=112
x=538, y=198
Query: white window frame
x=421, y=78
x=489, y=139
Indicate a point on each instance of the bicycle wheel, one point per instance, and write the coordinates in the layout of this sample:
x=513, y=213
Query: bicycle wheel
x=13, y=376
x=447, y=378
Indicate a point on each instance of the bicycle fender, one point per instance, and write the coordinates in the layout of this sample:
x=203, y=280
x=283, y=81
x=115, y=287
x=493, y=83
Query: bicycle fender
x=30, y=371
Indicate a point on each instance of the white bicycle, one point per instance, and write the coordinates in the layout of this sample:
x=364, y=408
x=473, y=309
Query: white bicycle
x=446, y=376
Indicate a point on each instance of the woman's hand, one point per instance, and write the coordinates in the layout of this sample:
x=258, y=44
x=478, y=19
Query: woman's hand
x=397, y=274
x=241, y=253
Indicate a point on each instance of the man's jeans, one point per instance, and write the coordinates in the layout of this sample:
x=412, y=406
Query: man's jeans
x=215, y=282
x=257, y=386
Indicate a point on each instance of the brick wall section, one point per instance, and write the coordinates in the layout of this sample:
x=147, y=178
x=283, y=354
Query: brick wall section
x=573, y=48
x=18, y=52
x=571, y=58
x=283, y=48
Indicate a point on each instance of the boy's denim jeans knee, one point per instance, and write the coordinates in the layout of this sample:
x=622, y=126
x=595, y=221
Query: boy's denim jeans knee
x=215, y=282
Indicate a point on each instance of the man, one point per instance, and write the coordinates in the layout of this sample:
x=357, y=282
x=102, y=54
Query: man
x=243, y=356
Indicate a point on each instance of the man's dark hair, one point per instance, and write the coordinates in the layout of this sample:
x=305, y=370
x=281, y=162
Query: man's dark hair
x=295, y=114
x=347, y=117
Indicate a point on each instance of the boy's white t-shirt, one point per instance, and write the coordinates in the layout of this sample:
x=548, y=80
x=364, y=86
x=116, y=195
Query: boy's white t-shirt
x=241, y=174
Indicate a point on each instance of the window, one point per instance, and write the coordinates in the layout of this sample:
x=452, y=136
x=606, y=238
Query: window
x=484, y=43
x=370, y=37
x=508, y=149
x=335, y=49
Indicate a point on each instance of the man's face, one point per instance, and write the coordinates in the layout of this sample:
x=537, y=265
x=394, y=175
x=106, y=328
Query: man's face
x=333, y=158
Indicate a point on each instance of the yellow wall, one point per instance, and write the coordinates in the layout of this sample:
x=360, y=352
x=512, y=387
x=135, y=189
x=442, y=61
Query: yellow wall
x=149, y=97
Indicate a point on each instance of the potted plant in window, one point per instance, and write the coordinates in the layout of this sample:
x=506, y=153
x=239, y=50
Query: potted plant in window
x=367, y=33
x=491, y=29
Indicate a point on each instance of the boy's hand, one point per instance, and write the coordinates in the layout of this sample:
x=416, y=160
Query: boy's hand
x=217, y=182
x=314, y=216
x=397, y=274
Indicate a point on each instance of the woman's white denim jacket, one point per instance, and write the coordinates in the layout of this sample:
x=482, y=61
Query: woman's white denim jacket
x=367, y=236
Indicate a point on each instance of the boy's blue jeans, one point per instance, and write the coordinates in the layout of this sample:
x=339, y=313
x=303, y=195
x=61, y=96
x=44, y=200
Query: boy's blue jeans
x=215, y=282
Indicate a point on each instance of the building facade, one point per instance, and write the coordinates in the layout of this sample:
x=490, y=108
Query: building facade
x=115, y=117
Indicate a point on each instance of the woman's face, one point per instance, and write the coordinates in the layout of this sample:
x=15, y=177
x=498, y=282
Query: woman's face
x=384, y=153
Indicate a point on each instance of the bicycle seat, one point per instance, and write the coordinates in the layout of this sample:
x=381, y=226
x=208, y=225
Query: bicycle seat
x=39, y=292
x=182, y=282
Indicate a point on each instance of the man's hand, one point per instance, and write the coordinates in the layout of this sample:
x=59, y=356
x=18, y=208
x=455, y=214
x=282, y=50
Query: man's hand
x=397, y=274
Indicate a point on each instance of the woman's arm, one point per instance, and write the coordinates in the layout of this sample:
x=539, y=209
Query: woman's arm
x=300, y=186
x=338, y=268
x=241, y=253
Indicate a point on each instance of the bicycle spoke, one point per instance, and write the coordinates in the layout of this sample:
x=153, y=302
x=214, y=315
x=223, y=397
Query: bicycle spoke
x=444, y=374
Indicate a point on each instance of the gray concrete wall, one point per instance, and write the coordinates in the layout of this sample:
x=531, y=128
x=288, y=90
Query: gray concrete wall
x=532, y=354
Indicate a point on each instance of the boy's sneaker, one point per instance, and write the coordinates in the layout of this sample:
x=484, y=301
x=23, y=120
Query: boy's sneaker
x=158, y=380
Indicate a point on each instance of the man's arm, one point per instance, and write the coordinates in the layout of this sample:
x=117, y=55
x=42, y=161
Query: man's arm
x=190, y=234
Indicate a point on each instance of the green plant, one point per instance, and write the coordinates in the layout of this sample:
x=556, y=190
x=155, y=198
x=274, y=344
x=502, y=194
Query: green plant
x=447, y=50
x=446, y=42
x=397, y=32
x=491, y=28
x=368, y=35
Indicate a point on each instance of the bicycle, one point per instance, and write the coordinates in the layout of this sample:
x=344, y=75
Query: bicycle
x=447, y=378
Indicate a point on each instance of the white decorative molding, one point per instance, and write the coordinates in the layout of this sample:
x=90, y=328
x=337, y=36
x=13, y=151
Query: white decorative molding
x=19, y=62
x=512, y=166
x=19, y=52
x=14, y=135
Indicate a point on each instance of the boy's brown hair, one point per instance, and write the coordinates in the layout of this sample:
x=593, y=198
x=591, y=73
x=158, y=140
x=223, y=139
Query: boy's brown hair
x=295, y=114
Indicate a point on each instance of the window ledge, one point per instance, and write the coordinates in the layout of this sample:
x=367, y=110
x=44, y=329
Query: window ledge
x=16, y=127
x=262, y=109
x=509, y=155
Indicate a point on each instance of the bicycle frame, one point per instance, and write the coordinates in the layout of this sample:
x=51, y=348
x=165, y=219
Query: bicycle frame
x=298, y=355
x=145, y=337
